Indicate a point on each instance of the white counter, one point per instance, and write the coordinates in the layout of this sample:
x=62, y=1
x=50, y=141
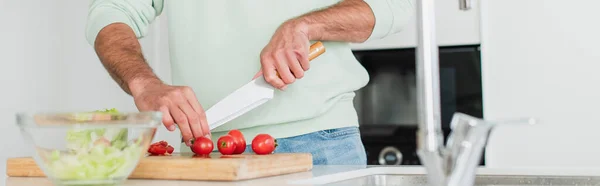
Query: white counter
x=336, y=172
x=275, y=180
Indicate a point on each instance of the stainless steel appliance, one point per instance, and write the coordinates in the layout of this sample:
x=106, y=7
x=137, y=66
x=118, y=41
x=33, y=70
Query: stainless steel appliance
x=387, y=106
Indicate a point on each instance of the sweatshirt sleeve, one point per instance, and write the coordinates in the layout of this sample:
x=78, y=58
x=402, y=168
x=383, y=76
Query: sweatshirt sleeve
x=138, y=14
x=391, y=16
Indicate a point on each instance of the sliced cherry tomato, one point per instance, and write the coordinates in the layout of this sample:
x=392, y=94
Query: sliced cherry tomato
x=240, y=141
x=160, y=148
x=202, y=145
x=170, y=149
x=226, y=145
x=264, y=144
x=162, y=143
x=157, y=150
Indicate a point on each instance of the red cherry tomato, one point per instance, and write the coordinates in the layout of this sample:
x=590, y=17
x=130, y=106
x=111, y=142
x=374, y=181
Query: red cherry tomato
x=162, y=143
x=157, y=150
x=202, y=146
x=170, y=149
x=263, y=144
x=240, y=141
x=226, y=145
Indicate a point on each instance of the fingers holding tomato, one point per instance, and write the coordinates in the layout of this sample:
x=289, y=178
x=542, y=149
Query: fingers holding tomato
x=202, y=146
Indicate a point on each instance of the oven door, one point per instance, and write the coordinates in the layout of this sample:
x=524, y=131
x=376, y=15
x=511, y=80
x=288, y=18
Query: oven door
x=390, y=96
x=387, y=105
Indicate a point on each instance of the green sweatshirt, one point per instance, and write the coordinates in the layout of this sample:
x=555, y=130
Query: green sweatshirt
x=215, y=47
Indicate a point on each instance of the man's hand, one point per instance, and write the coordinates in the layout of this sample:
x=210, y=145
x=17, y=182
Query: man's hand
x=287, y=52
x=121, y=54
x=178, y=105
x=285, y=58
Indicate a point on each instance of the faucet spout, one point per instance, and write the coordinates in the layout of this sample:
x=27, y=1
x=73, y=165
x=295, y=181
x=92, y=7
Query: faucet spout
x=429, y=135
x=464, y=4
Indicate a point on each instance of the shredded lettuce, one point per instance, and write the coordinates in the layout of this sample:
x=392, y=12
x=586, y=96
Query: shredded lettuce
x=95, y=154
x=82, y=139
x=102, y=162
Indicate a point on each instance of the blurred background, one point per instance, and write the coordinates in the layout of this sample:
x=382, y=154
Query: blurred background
x=501, y=60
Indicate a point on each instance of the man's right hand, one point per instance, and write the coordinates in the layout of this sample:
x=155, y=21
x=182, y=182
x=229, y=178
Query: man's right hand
x=178, y=105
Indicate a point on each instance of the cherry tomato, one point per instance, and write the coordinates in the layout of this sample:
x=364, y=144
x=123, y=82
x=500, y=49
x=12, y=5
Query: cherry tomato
x=226, y=145
x=202, y=145
x=263, y=144
x=240, y=141
x=170, y=149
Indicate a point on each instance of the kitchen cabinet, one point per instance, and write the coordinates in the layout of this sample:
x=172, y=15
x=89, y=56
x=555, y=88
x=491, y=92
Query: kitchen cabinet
x=541, y=60
x=454, y=27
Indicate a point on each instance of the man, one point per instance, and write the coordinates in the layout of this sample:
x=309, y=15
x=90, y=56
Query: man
x=216, y=46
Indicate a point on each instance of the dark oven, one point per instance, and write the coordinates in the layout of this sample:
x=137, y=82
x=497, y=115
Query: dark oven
x=387, y=107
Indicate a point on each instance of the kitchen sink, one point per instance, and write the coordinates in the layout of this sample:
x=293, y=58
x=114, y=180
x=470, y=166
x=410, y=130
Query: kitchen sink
x=479, y=180
x=396, y=176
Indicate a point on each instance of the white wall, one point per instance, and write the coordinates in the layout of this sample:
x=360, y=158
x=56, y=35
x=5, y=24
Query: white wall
x=49, y=66
x=542, y=60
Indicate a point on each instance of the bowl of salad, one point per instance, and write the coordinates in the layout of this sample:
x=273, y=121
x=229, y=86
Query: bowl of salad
x=88, y=148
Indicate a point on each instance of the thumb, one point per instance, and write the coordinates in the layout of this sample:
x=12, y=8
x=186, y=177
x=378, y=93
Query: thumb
x=260, y=73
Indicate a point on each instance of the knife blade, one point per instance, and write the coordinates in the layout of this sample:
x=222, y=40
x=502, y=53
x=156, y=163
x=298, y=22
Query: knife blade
x=249, y=96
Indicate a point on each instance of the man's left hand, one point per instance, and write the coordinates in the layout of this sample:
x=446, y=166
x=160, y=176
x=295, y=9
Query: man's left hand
x=286, y=55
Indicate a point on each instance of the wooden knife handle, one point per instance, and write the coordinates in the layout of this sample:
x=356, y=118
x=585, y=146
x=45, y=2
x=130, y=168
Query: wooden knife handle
x=316, y=50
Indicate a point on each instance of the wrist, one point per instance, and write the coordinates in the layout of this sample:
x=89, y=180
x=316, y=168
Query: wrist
x=138, y=85
x=308, y=27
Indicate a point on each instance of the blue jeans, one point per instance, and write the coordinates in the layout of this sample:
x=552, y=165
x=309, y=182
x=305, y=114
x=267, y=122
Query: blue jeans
x=341, y=146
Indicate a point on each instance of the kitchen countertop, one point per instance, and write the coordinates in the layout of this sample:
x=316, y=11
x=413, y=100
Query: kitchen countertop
x=329, y=170
x=274, y=180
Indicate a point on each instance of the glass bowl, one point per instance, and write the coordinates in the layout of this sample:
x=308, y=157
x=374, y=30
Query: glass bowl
x=88, y=148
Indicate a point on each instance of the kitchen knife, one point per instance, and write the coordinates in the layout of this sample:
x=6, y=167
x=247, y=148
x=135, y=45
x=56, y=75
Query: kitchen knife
x=249, y=96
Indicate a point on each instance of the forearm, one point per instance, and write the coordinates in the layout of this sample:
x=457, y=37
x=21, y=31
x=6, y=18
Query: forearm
x=121, y=55
x=357, y=20
x=349, y=20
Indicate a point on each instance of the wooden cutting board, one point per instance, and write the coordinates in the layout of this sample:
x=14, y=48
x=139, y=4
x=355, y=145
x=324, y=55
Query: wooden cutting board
x=185, y=166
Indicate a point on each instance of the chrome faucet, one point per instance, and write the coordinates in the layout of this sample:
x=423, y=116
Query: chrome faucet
x=464, y=4
x=456, y=163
